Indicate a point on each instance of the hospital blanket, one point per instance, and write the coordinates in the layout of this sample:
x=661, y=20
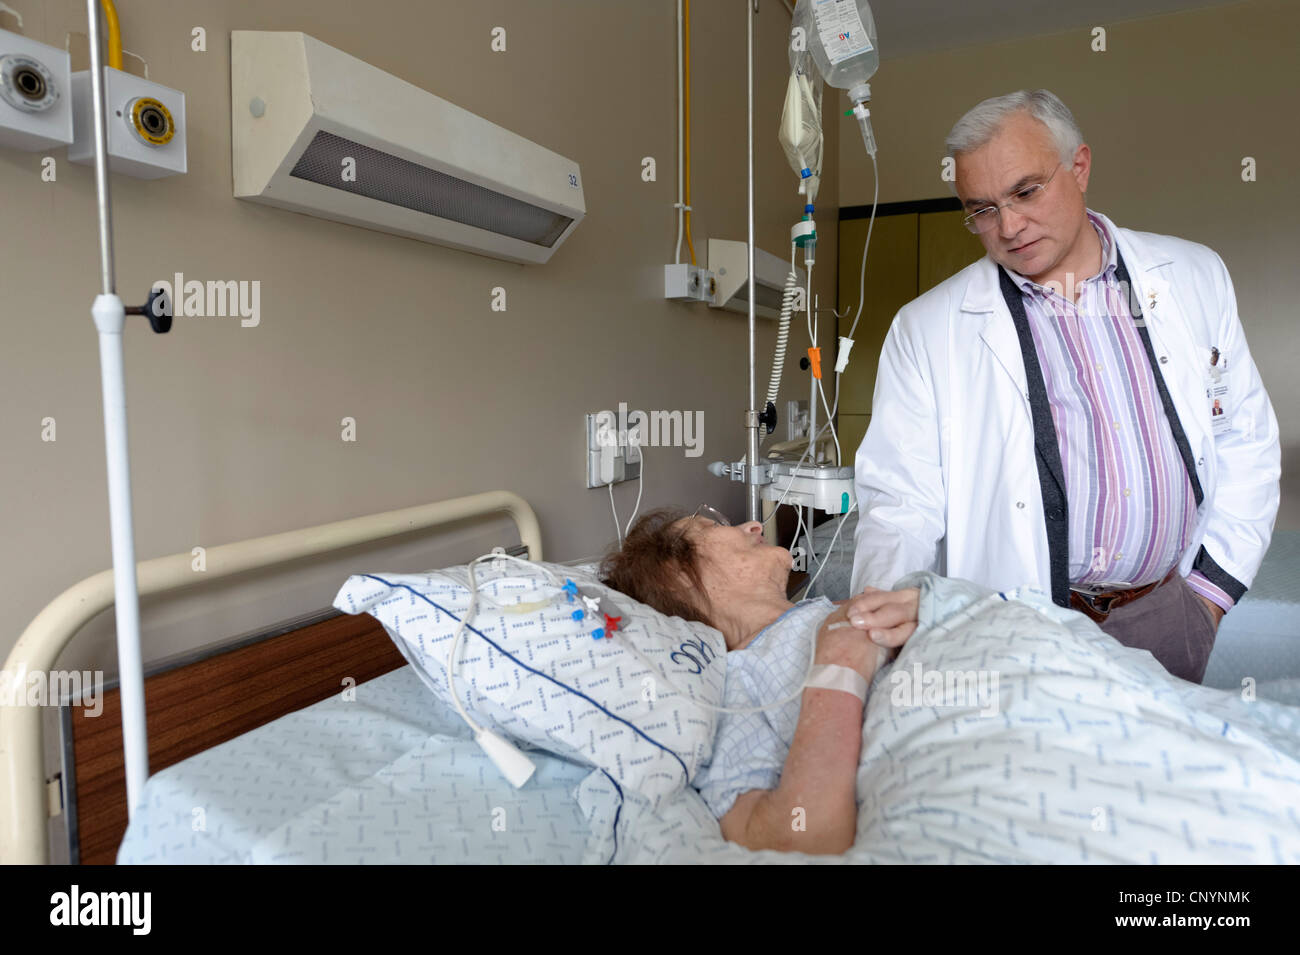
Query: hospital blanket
x=1080, y=750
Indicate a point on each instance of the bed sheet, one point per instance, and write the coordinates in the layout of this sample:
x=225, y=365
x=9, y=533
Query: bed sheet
x=390, y=777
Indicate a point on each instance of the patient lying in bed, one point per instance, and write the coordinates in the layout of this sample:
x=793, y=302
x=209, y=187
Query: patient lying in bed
x=1091, y=751
x=784, y=777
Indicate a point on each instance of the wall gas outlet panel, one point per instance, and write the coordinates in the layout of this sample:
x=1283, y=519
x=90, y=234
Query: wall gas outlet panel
x=35, y=94
x=146, y=125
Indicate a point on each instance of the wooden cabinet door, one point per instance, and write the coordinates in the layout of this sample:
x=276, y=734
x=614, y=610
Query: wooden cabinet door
x=944, y=248
x=890, y=284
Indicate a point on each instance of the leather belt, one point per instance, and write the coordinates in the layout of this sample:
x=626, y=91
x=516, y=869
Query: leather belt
x=1098, y=606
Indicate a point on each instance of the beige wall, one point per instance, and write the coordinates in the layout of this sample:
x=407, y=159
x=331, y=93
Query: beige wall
x=1170, y=109
x=235, y=432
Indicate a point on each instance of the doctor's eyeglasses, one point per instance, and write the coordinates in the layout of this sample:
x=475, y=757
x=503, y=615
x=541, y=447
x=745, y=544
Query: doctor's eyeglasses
x=982, y=220
x=703, y=512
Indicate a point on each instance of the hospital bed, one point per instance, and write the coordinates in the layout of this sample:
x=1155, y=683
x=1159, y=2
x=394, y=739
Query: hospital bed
x=258, y=757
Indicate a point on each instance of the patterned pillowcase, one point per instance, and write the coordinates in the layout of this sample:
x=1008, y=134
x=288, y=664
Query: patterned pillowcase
x=530, y=670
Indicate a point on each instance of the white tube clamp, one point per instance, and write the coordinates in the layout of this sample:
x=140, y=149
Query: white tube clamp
x=842, y=358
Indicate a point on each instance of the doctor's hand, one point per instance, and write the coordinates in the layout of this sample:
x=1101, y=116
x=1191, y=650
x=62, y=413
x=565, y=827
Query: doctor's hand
x=1216, y=611
x=887, y=616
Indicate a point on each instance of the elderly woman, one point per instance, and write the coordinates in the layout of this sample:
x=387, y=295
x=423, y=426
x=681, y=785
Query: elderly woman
x=782, y=777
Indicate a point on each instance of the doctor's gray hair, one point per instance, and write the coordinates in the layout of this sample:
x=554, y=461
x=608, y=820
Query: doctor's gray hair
x=983, y=121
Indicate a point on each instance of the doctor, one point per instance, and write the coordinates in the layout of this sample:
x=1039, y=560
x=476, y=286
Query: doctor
x=1044, y=416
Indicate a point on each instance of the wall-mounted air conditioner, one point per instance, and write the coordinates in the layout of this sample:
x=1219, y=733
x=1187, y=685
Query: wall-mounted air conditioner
x=729, y=263
x=320, y=132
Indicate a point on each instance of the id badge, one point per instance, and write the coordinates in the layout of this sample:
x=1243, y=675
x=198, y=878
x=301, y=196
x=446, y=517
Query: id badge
x=1216, y=393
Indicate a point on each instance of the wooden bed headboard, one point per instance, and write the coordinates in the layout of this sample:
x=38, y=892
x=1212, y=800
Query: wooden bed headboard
x=195, y=705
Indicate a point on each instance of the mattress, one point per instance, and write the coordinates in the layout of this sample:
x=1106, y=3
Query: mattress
x=391, y=777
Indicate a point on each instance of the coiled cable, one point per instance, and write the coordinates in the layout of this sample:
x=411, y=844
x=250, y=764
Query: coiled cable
x=789, y=296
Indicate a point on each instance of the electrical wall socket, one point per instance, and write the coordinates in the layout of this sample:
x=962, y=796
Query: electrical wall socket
x=609, y=458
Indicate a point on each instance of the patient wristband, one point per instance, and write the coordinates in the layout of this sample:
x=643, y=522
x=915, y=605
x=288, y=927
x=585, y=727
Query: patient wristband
x=829, y=676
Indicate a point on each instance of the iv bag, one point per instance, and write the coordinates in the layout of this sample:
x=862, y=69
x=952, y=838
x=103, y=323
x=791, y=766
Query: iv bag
x=801, y=122
x=841, y=38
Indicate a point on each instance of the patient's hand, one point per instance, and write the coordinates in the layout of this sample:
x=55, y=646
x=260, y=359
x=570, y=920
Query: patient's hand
x=887, y=616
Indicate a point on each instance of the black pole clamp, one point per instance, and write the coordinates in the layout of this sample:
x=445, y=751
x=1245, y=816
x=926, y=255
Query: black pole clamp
x=158, y=308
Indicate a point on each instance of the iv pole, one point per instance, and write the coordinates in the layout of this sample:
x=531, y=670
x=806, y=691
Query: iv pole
x=828, y=485
x=751, y=415
x=110, y=318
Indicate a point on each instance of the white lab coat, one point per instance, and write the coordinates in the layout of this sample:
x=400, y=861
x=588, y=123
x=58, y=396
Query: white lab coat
x=947, y=478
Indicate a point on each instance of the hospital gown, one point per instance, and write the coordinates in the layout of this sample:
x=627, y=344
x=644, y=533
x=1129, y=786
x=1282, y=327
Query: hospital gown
x=749, y=750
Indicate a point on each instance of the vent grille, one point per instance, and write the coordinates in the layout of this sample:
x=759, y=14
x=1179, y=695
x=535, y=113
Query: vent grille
x=400, y=182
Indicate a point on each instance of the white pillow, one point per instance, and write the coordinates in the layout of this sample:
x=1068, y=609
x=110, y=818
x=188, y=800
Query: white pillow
x=542, y=679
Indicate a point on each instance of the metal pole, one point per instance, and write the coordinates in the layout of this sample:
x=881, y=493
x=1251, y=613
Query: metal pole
x=108, y=281
x=110, y=317
x=812, y=418
x=751, y=418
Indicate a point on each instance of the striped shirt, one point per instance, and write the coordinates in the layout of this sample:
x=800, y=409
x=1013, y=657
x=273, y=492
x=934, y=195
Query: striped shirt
x=1131, y=506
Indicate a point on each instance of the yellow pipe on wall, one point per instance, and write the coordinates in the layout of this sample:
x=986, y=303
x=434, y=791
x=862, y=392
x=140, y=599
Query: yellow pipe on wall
x=114, y=34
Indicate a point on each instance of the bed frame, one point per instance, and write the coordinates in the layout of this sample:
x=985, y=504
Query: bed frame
x=204, y=699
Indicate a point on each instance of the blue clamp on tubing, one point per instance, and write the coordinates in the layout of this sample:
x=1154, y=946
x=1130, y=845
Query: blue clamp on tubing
x=808, y=208
x=570, y=588
x=805, y=173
